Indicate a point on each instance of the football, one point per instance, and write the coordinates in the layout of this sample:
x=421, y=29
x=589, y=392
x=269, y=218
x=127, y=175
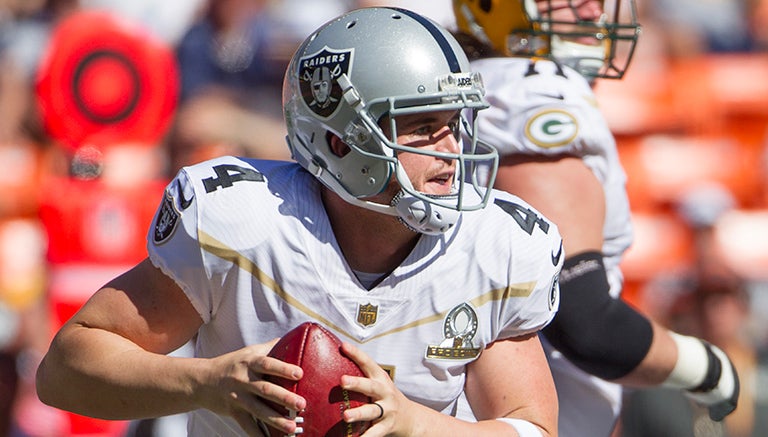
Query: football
x=317, y=351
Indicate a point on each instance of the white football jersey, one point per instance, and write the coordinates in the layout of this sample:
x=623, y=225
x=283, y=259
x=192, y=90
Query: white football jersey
x=540, y=108
x=250, y=244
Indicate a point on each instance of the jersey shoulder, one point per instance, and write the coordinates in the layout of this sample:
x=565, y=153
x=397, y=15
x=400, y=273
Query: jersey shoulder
x=512, y=226
x=522, y=249
x=509, y=208
x=227, y=194
x=540, y=108
x=225, y=171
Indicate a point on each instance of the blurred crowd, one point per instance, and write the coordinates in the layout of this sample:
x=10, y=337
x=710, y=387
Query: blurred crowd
x=83, y=164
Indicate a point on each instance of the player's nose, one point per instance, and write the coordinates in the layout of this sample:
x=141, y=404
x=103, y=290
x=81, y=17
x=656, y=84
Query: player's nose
x=446, y=141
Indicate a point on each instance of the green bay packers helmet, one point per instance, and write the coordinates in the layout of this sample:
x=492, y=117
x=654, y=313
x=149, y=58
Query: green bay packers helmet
x=596, y=48
x=370, y=66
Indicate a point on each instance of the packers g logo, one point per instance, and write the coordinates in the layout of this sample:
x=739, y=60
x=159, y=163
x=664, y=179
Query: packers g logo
x=552, y=128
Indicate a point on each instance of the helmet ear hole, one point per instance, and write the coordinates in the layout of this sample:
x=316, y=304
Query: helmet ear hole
x=485, y=5
x=338, y=147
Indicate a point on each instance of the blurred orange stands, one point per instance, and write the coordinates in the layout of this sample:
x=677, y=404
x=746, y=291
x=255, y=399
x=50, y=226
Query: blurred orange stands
x=685, y=123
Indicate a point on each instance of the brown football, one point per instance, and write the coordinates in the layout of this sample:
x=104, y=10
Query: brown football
x=317, y=351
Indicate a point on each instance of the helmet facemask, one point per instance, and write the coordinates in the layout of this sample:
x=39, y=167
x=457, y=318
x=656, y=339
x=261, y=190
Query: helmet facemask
x=601, y=47
x=596, y=48
x=423, y=212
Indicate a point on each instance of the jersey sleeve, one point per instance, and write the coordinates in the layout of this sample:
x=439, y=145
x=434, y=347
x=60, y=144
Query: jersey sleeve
x=535, y=259
x=173, y=245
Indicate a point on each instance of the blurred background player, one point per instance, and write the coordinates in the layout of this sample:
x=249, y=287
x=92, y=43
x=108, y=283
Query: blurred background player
x=539, y=61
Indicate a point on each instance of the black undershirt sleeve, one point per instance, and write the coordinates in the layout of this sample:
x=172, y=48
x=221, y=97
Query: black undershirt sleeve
x=601, y=335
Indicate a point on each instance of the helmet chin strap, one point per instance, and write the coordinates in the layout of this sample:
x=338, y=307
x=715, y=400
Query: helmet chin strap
x=421, y=215
x=425, y=217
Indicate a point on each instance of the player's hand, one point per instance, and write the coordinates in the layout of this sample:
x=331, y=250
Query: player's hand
x=392, y=418
x=233, y=386
x=720, y=390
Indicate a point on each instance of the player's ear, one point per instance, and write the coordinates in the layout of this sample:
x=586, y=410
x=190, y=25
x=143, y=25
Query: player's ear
x=338, y=147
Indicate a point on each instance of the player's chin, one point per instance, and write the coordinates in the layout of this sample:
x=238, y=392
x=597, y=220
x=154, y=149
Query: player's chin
x=437, y=187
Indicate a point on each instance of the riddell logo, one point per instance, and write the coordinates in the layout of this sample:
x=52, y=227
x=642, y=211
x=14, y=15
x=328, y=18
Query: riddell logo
x=318, y=74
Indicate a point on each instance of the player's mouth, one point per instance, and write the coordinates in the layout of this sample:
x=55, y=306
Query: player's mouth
x=440, y=184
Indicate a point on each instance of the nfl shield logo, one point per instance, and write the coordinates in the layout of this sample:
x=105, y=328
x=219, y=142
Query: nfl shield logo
x=367, y=314
x=318, y=74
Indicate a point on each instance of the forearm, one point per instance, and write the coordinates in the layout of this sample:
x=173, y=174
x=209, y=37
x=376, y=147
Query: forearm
x=432, y=423
x=657, y=364
x=101, y=374
x=607, y=338
x=524, y=390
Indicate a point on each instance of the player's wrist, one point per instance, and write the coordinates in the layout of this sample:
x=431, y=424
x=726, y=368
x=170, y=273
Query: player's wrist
x=692, y=363
x=707, y=375
x=203, y=383
x=524, y=428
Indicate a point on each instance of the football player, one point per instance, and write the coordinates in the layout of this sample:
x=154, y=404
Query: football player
x=375, y=233
x=538, y=60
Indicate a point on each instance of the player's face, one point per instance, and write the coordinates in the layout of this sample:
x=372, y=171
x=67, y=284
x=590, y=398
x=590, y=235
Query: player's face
x=432, y=131
x=569, y=10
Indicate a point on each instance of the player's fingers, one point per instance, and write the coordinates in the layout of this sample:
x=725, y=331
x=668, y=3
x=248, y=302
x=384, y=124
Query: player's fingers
x=377, y=430
x=284, y=425
x=280, y=395
x=251, y=409
x=366, y=363
x=365, y=386
x=248, y=423
x=264, y=365
x=371, y=412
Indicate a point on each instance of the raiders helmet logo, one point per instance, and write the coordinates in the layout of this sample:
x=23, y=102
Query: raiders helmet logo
x=318, y=74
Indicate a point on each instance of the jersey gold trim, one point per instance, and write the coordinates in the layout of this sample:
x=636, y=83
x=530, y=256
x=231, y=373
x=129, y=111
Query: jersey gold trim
x=221, y=250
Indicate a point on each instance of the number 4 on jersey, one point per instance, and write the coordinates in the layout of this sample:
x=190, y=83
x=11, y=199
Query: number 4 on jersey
x=228, y=174
x=525, y=217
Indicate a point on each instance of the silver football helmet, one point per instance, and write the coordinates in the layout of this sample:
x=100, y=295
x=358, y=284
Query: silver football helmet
x=343, y=81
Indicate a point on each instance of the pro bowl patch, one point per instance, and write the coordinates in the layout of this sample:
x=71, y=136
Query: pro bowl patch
x=551, y=128
x=459, y=330
x=318, y=75
x=167, y=220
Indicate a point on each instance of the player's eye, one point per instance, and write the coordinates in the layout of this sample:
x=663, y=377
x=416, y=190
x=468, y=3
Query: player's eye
x=425, y=130
x=455, y=126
